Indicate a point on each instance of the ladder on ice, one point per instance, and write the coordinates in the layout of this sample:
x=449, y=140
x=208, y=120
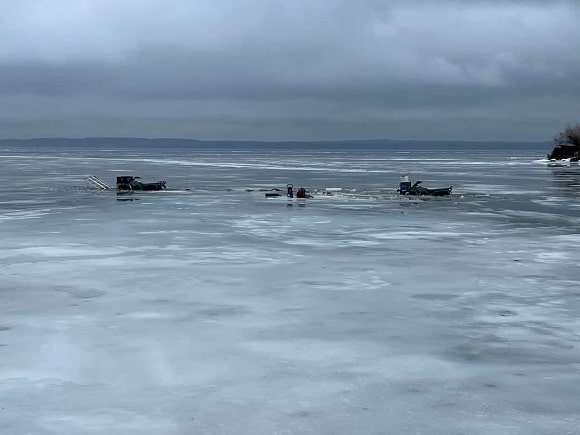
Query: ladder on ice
x=98, y=183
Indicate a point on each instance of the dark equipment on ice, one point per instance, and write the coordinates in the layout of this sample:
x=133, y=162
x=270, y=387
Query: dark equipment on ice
x=416, y=189
x=404, y=185
x=273, y=193
x=128, y=183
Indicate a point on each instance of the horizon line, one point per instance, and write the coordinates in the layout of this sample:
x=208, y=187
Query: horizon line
x=282, y=141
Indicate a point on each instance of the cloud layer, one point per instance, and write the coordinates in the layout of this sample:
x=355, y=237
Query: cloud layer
x=258, y=69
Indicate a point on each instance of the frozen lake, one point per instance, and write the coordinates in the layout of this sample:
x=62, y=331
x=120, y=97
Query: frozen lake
x=214, y=310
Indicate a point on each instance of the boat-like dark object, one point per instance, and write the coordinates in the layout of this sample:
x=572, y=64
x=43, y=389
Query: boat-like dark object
x=416, y=189
x=129, y=183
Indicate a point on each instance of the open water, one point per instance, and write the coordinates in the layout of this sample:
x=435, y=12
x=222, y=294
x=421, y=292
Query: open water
x=210, y=309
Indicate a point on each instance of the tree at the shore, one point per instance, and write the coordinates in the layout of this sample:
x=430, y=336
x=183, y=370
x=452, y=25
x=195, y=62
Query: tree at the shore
x=567, y=144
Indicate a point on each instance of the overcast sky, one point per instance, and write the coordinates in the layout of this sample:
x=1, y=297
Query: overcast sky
x=289, y=70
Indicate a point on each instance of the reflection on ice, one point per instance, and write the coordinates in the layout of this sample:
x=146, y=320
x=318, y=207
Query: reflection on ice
x=568, y=179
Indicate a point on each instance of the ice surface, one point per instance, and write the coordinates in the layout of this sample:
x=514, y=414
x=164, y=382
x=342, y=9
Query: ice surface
x=218, y=311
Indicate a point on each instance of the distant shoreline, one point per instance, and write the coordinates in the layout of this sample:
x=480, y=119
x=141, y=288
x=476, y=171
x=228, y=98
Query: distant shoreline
x=374, y=143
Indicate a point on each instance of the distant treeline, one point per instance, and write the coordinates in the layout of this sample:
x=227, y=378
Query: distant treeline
x=567, y=144
x=127, y=142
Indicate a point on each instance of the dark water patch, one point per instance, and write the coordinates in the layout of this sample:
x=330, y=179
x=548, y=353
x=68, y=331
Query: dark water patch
x=223, y=311
x=544, y=404
x=491, y=338
x=413, y=387
x=79, y=293
x=159, y=301
x=567, y=180
x=305, y=413
x=508, y=353
x=505, y=313
x=292, y=310
x=88, y=294
x=354, y=313
x=215, y=311
x=435, y=296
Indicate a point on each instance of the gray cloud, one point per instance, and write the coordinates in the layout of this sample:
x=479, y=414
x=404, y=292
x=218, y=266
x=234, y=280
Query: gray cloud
x=290, y=70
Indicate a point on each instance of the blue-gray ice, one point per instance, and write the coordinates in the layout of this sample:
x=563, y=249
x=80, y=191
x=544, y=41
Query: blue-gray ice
x=215, y=310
